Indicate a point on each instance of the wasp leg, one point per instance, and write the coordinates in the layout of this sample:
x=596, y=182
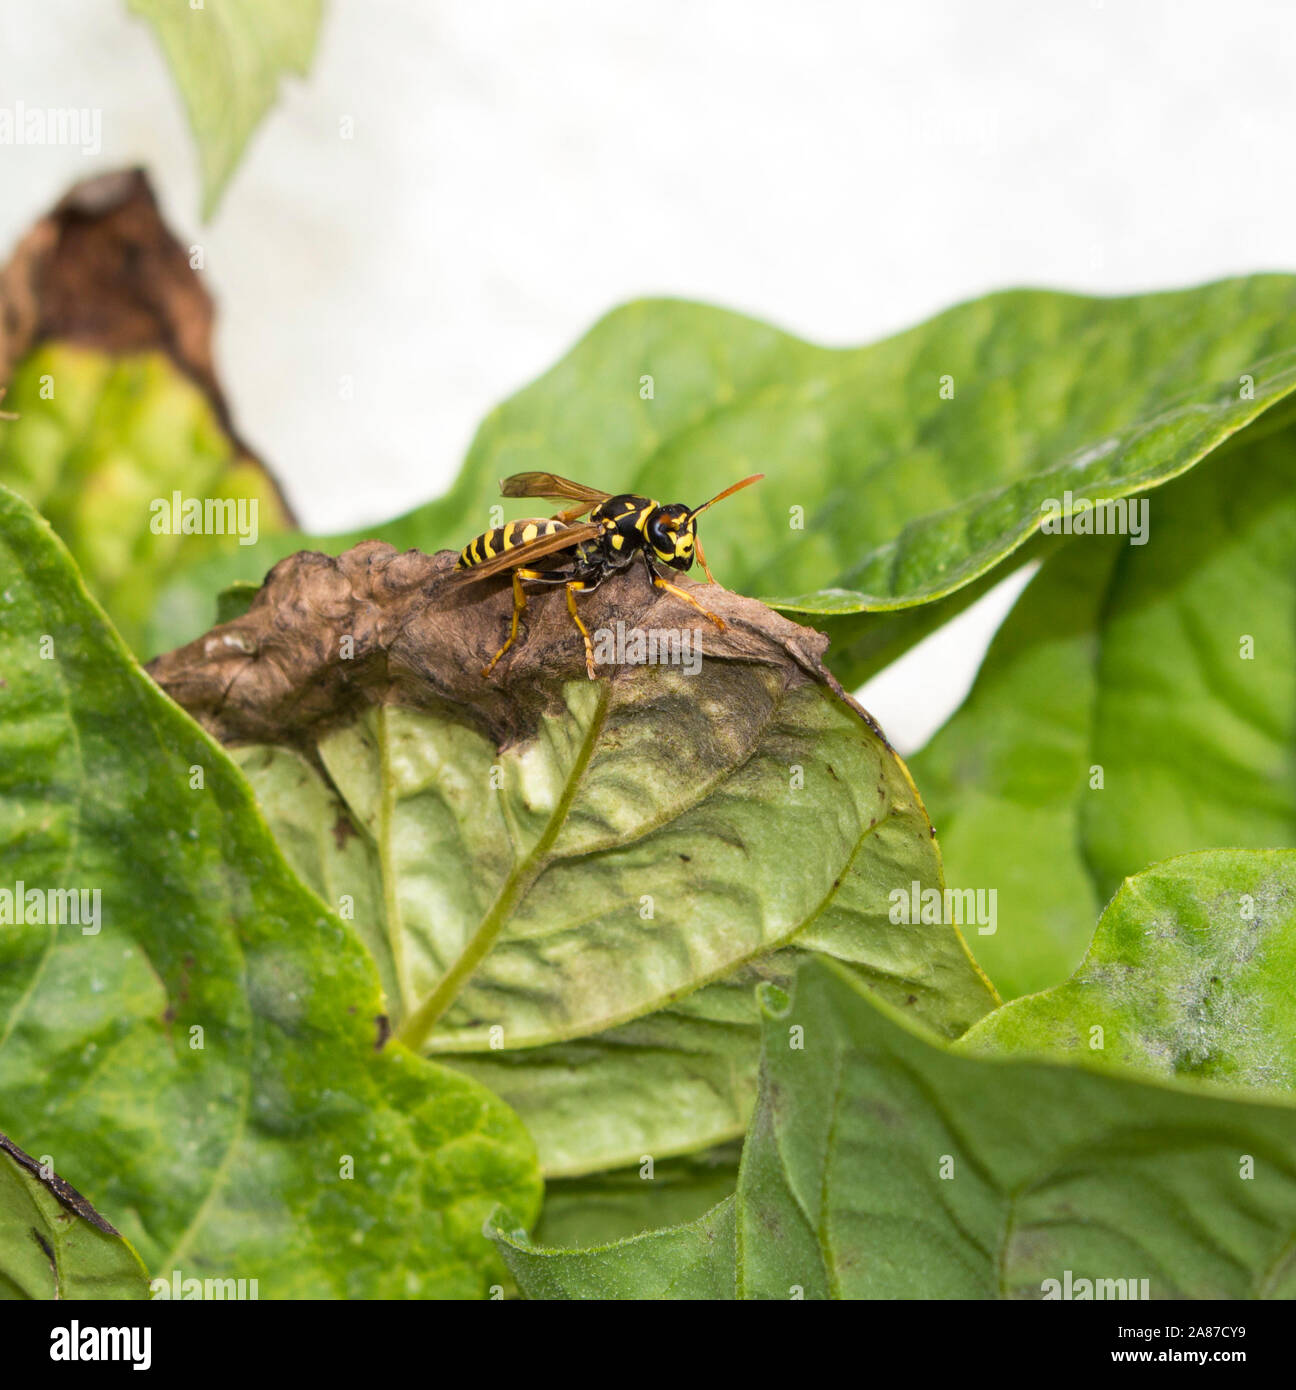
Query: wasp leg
x=675, y=589
x=701, y=554
x=519, y=607
x=574, y=587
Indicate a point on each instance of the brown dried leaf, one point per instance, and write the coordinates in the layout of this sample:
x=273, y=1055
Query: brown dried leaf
x=103, y=271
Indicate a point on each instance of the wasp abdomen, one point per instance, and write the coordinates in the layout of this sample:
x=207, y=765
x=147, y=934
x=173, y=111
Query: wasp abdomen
x=513, y=533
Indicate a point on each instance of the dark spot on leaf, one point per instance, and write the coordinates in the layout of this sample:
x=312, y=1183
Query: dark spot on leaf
x=343, y=830
x=186, y=965
x=886, y=1115
x=772, y=1222
x=384, y=1031
x=49, y=1253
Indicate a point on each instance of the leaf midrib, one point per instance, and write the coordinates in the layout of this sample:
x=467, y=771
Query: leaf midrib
x=418, y=1025
x=448, y=1045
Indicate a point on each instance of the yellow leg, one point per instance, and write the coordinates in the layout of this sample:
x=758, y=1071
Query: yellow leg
x=519, y=605
x=701, y=554
x=688, y=598
x=575, y=587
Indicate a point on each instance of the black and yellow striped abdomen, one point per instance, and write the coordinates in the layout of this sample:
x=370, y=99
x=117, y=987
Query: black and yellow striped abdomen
x=512, y=534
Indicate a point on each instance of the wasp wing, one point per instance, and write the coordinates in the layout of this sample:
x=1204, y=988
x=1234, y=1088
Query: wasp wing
x=519, y=555
x=552, y=486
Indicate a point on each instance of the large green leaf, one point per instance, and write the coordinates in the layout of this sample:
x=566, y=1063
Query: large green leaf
x=227, y=58
x=1190, y=973
x=102, y=457
x=53, y=1244
x=882, y=1165
x=1128, y=665
x=201, y=1056
x=879, y=492
x=570, y=886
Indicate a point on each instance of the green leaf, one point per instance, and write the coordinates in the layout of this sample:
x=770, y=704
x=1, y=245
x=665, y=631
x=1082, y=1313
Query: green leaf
x=669, y=1083
x=102, y=458
x=1006, y=777
x=53, y=1244
x=880, y=1164
x=227, y=58
x=570, y=886
x=198, y=1048
x=691, y=1261
x=1189, y=974
x=234, y=601
x=605, y=1207
x=879, y=493
x=1127, y=665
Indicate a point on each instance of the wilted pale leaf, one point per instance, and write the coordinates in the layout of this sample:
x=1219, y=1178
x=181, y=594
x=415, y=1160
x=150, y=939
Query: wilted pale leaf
x=570, y=886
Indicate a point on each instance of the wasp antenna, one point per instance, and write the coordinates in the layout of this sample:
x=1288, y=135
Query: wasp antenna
x=720, y=496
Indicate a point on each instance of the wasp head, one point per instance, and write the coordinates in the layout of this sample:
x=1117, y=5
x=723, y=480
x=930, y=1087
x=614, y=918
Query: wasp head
x=671, y=535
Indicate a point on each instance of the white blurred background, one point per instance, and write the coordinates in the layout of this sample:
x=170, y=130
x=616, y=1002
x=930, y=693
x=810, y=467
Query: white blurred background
x=842, y=169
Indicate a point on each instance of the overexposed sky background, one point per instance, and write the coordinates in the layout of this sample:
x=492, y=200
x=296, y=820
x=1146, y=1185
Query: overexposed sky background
x=842, y=169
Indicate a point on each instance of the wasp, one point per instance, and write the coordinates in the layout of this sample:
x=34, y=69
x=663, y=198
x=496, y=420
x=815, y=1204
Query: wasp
x=619, y=530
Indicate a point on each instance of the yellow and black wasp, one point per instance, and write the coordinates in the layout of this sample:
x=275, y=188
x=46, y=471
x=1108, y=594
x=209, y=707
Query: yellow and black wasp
x=585, y=553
